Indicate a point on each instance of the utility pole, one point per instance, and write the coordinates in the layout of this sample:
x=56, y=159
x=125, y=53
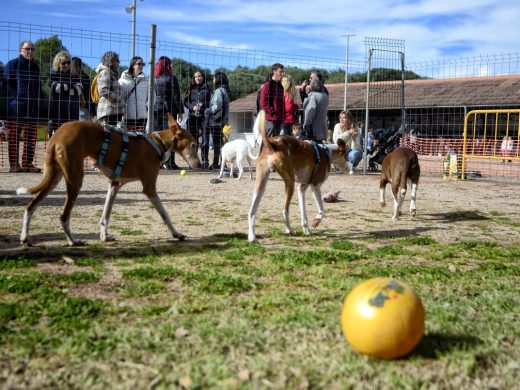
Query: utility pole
x=346, y=71
x=133, y=10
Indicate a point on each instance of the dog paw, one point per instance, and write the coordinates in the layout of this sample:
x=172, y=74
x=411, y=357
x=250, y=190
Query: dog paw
x=77, y=243
x=180, y=237
x=315, y=222
x=412, y=212
x=26, y=243
x=383, y=204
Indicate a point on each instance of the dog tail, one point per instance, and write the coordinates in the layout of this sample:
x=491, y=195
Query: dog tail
x=265, y=139
x=51, y=174
x=251, y=155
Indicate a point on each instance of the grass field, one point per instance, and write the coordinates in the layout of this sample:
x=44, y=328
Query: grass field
x=236, y=315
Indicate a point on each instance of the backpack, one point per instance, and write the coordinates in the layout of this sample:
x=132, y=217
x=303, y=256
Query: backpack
x=94, y=93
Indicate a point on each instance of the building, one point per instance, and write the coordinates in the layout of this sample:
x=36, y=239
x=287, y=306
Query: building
x=434, y=107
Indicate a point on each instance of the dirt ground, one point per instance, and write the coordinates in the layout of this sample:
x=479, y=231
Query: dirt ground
x=447, y=211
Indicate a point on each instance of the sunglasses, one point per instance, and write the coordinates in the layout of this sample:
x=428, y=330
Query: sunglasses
x=29, y=48
x=65, y=62
x=140, y=63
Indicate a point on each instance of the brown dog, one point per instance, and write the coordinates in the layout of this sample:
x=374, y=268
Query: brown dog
x=398, y=167
x=295, y=161
x=75, y=141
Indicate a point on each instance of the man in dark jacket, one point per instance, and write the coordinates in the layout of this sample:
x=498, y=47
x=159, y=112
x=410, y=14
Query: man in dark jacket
x=24, y=96
x=272, y=101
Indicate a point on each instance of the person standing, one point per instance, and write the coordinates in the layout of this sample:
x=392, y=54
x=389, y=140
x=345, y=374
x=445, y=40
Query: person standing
x=196, y=101
x=112, y=103
x=217, y=115
x=87, y=108
x=290, y=107
x=24, y=92
x=272, y=101
x=315, y=109
x=66, y=92
x=167, y=100
x=134, y=85
x=306, y=83
x=347, y=131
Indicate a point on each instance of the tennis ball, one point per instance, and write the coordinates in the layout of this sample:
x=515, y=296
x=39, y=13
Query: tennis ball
x=183, y=172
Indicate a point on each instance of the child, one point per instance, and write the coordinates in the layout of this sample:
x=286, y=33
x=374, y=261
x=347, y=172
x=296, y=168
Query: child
x=297, y=131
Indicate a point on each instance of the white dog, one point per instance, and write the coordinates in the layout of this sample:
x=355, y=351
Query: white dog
x=238, y=151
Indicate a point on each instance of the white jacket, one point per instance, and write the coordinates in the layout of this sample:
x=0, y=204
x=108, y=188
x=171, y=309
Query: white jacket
x=137, y=99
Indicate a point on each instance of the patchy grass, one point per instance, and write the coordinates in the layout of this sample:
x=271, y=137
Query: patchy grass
x=230, y=314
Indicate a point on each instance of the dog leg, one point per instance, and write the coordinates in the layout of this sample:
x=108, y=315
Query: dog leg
x=165, y=217
x=316, y=194
x=222, y=165
x=73, y=180
x=303, y=209
x=250, y=168
x=113, y=189
x=382, y=187
x=55, y=177
x=289, y=192
x=240, y=169
x=261, y=182
x=399, y=194
x=414, y=197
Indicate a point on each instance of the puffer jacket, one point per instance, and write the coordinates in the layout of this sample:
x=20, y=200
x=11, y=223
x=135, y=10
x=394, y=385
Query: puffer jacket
x=136, y=90
x=112, y=101
x=24, y=91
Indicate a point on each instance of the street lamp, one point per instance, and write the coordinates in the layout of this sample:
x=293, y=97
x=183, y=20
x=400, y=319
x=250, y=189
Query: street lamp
x=131, y=9
x=346, y=72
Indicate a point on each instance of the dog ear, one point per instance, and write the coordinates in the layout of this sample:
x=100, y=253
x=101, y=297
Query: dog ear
x=171, y=121
x=342, y=145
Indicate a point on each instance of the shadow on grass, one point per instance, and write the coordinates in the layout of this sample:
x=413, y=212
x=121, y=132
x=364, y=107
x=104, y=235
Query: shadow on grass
x=95, y=249
x=434, y=345
x=457, y=216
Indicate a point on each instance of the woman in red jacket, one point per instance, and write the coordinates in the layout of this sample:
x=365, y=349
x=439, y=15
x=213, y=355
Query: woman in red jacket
x=291, y=108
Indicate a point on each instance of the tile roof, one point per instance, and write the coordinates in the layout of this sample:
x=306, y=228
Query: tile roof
x=452, y=92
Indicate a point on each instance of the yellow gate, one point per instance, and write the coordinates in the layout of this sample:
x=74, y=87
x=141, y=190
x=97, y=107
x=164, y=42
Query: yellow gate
x=491, y=135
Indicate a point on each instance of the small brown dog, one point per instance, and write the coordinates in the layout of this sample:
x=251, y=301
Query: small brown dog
x=297, y=161
x=398, y=167
x=75, y=141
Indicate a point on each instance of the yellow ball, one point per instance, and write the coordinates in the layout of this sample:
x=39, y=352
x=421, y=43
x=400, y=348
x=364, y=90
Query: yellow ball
x=383, y=318
x=183, y=172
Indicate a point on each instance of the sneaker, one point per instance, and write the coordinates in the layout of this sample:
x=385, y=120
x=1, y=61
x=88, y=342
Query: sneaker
x=16, y=169
x=31, y=168
x=351, y=172
x=214, y=167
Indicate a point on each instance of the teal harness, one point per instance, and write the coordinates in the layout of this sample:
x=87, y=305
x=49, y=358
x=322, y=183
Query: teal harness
x=317, y=148
x=126, y=143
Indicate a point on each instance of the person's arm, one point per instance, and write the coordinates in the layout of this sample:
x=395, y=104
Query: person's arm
x=264, y=100
x=310, y=112
x=215, y=105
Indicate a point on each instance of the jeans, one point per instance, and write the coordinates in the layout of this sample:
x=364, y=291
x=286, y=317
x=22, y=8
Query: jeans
x=354, y=157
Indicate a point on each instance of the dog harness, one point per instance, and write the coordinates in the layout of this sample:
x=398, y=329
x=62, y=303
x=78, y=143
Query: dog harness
x=126, y=143
x=317, y=148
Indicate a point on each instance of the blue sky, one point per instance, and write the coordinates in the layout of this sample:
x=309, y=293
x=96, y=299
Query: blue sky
x=431, y=29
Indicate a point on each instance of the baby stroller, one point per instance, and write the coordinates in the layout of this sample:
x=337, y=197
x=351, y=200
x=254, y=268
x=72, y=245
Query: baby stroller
x=385, y=140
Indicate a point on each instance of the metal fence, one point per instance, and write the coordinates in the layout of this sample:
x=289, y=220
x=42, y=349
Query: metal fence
x=447, y=121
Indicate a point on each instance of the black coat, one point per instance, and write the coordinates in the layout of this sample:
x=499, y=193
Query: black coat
x=66, y=90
